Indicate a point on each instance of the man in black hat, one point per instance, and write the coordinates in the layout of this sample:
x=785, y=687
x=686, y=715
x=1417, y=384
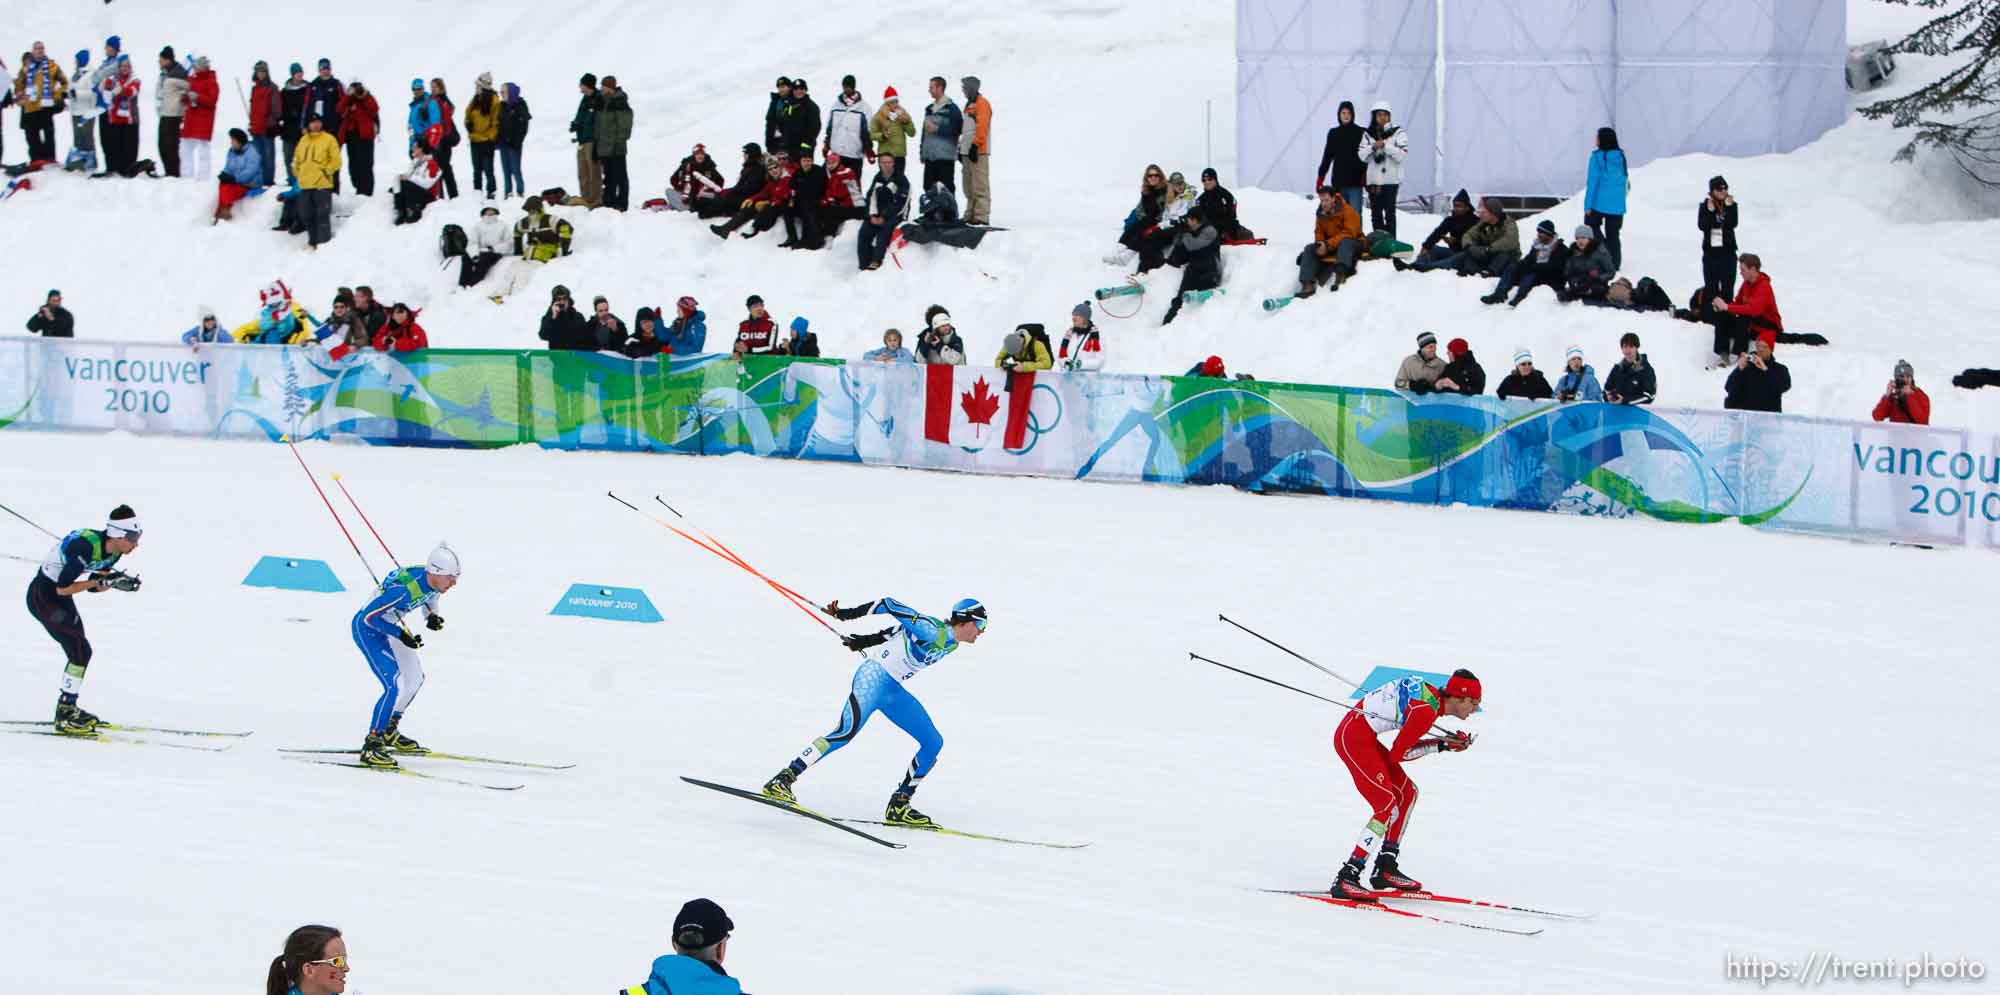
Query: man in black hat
x=1717, y=220
x=583, y=128
x=802, y=118
x=701, y=941
x=774, y=113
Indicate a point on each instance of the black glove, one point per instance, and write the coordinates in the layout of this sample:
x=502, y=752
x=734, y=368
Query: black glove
x=116, y=580
x=411, y=639
x=972, y=154
x=435, y=623
x=861, y=643
x=1455, y=742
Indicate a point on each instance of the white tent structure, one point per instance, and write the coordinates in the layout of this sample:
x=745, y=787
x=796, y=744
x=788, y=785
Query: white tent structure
x=1505, y=97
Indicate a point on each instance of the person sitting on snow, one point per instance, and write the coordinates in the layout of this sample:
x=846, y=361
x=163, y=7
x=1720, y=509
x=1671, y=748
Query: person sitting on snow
x=1198, y=251
x=417, y=184
x=491, y=239
x=402, y=333
x=242, y=174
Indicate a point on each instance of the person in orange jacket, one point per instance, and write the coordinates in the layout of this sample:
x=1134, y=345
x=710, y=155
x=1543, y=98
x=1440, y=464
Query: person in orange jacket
x=1336, y=245
x=1903, y=401
x=402, y=333
x=975, y=147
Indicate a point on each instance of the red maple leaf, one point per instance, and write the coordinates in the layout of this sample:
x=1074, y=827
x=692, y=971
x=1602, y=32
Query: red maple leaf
x=980, y=403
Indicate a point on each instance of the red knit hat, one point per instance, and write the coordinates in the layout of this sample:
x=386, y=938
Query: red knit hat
x=889, y=93
x=1212, y=366
x=1458, y=347
x=1768, y=337
x=1462, y=685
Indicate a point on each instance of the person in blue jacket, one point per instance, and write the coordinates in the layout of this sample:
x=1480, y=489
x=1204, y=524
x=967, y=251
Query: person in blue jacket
x=888, y=659
x=701, y=941
x=1578, y=381
x=207, y=330
x=386, y=642
x=423, y=112
x=687, y=334
x=1604, y=189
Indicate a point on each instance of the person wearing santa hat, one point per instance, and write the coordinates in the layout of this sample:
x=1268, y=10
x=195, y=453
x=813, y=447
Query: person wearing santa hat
x=1410, y=708
x=891, y=128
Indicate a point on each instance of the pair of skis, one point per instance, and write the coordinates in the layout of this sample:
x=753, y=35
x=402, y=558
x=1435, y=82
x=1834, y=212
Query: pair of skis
x=338, y=757
x=132, y=735
x=1437, y=899
x=847, y=825
x=1133, y=289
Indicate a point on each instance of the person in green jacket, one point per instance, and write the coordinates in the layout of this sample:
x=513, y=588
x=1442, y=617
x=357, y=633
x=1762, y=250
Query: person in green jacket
x=891, y=129
x=614, y=129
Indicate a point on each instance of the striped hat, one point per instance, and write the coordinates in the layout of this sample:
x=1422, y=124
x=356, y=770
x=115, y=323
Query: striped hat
x=1523, y=356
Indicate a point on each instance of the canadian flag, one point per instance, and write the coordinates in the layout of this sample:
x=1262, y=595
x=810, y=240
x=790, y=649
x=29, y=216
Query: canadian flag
x=960, y=405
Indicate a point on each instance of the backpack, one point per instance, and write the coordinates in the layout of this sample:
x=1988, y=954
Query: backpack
x=938, y=206
x=452, y=242
x=1036, y=333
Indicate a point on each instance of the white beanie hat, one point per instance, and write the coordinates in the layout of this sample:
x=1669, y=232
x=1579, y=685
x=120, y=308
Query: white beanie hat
x=1573, y=352
x=1523, y=356
x=443, y=561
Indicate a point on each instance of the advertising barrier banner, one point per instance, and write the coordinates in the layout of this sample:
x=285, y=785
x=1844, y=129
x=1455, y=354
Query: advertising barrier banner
x=1907, y=483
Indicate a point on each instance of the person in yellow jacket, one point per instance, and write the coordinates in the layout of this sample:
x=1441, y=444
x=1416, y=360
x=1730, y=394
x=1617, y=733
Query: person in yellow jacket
x=316, y=162
x=482, y=129
x=39, y=88
x=1023, y=352
x=891, y=129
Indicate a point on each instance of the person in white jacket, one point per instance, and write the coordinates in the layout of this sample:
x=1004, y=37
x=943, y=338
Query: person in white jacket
x=1082, y=348
x=1384, y=146
x=491, y=239
x=417, y=184
x=847, y=127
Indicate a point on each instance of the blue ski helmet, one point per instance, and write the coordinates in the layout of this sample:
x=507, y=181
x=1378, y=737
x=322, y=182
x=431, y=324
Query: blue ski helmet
x=969, y=610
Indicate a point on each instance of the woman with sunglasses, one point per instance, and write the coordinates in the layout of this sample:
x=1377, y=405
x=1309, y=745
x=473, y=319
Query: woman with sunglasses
x=1143, y=234
x=314, y=963
x=889, y=658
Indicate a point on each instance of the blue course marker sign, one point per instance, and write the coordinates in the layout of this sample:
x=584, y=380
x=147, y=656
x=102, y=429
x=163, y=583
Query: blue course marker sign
x=619, y=604
x=293, y=573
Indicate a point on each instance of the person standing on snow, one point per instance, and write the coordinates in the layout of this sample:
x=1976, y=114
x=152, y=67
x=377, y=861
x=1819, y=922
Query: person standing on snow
x=82, y=562
x=1409, y=708
x=847, y=127
x=170, y=101
x=975, y=145
x=40, y=88
x=1341, y=166
x=514, y=118
x=1383, y=146
x=360, y=121
x=198, y=125
x=583, y=130
x=891, y=129
x=266, y=120
x=293, y=103
x=404, y=592
x=890, y=658
x=943, y=123
x=482, y=128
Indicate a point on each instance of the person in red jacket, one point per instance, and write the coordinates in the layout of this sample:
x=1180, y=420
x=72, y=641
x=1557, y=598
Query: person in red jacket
x=401, y=333
x=198, y=124
x=755, y=334
x=765, y=206
x=842, y=202
x=266, y=119
x=1754, y=310
x=120, y=94
x=1409, y=708
x=1904, y=401
x=360, y=121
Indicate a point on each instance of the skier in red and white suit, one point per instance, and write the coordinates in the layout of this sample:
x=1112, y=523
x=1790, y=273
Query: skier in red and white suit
x=1409, y=708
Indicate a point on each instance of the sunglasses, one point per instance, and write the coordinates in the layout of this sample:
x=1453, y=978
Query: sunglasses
x=337, y=963
x=1155, y=176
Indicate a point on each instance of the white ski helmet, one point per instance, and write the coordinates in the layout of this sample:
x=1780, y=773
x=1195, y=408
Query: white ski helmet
x=443, y=561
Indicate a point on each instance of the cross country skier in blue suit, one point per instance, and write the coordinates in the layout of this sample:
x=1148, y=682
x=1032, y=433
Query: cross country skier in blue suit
x=83, y=562
x=889, y=658
x=389, y=646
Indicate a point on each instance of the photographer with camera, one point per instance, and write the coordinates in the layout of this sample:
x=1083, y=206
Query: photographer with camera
x=1759, y=381
x=1904, y=401
x=1383, y=146
x=51, y=321
x=83, y=562
x=563, y=327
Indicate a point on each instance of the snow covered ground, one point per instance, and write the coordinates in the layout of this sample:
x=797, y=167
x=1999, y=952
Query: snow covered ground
x=1887, y=260
x=1757, y=765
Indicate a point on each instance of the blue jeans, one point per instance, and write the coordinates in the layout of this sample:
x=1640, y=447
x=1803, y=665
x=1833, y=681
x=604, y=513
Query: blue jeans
x=482, y=166
x=510, y=170
x=1436, y=257
x=1352, y=195
x=1519, y=276
x=267, y=156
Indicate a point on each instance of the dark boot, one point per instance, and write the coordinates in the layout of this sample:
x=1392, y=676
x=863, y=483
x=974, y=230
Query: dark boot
x=1388, y=877
x=1348, y=885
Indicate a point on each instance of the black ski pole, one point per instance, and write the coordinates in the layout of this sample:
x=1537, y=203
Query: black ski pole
x=1295, y=655
x=1267, y=680
x=667, y=506
x=25, y=518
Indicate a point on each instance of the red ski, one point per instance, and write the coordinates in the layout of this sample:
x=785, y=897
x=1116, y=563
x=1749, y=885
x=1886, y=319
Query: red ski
x=1425, y=896
x=1320, y=896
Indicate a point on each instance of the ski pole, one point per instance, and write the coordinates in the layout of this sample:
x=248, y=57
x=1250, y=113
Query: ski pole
x=1288, y=650
x=30, y=521
x=351, y=544
x=21, y=559
x=738, y=560
x=791, y=597
x=364, y=518
x=1267, y=680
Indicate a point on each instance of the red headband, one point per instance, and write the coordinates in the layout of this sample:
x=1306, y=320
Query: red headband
x=1462, y=687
